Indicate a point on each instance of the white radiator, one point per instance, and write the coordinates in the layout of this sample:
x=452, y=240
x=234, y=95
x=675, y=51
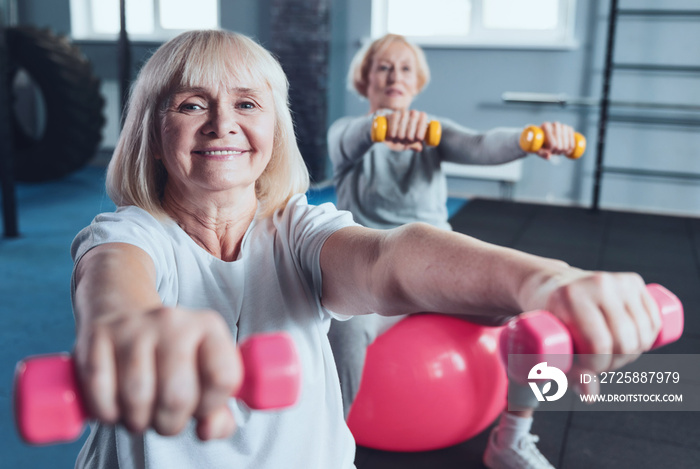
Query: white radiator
x=509, y=172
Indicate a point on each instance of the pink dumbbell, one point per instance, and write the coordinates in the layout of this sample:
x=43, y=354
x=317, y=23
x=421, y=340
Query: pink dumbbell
x=48, y=408
x=538, y=336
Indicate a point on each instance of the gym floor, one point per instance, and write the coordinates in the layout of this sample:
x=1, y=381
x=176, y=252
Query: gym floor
x=35, y=317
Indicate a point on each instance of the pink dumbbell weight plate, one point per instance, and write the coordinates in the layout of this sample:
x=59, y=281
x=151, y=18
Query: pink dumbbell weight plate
x=48, y=407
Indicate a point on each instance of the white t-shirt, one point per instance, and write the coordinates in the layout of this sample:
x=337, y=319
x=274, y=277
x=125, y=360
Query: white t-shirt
x=274, y=285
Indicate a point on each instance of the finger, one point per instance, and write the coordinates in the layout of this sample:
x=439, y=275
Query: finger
x=546, y=150
x=642, y=314
x=587, y=324
x=178, y=385
x=97, y=374
x=416, y=146
x=569, y=140
x=421, y=126
x=622, y=331
x=550, y=137
x=218, y=424
x=627, y=320
x=654, y=315
x=558, y=144
x=544, y=153
x=394, y=126
x=402, y=129
x=565, y=139
x=220, y=371
x=412, y=130
x=136, y=383
x=563, y=142
x=621, y=323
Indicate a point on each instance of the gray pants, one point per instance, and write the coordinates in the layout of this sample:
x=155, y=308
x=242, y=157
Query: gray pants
x=350, y=339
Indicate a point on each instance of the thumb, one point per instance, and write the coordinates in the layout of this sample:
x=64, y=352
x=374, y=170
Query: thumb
x=416, y=146
x=544, y=153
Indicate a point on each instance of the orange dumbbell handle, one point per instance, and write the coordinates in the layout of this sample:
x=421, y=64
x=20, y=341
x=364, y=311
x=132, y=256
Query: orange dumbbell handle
x=532, y=139
x=432, y=135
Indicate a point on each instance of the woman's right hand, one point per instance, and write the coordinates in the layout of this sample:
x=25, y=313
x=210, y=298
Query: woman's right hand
x=558, y=140
x=159, y=368
x=406, y=129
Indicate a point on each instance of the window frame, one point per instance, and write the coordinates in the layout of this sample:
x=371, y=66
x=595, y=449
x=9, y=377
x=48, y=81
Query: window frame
x=82, y=28
x=563, y=38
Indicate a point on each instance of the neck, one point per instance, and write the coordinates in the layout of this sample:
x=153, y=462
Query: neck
x=218, y=228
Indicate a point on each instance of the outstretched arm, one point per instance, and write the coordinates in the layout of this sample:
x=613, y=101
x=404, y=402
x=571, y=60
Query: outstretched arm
x=418, y=268
x=467, y=146
x=141, y=363
x=349, y=139
x=501, y=145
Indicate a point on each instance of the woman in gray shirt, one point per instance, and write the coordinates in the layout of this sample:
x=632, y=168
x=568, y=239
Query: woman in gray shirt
x=400, y=180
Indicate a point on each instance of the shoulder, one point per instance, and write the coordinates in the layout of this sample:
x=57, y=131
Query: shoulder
x=131, y=221
x=130, y=225
x=300, y=218
x=131, y=214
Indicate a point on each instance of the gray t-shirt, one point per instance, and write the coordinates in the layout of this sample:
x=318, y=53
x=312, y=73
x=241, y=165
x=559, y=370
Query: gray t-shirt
x=384, y=188
x=274, y=285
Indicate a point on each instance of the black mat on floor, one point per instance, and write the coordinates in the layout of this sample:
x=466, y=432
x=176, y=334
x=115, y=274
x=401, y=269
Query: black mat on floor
x=663, y=249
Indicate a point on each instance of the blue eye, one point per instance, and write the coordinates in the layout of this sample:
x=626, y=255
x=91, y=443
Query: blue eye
x=246, y=105
x=191, y=107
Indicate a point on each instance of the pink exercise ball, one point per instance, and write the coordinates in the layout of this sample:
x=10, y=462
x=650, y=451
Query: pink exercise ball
x=431, y=381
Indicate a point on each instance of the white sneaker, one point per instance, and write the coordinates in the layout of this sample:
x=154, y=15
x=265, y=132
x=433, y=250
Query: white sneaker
x=523, y=455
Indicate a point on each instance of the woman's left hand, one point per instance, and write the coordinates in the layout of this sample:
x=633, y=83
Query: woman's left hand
x=611, y=316
x=558, y=140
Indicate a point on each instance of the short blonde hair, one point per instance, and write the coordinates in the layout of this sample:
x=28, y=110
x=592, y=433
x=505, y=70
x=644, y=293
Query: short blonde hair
x=201, y=58
x=358, y=76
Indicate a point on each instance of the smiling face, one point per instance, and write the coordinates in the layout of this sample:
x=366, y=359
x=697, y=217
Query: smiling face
x=217, y=140
x=393, y=78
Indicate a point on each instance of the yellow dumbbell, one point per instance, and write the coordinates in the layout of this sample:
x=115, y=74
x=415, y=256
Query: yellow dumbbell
x=432, y=135
x=532, y=139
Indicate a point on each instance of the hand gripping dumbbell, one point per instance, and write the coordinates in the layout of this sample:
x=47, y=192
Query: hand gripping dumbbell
x=538, y=336
x=532, y=139
x=48, y=407
x=432, y=135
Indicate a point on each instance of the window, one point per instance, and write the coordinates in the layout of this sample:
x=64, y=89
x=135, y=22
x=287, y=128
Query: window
x=478, y=23
x=147, y=20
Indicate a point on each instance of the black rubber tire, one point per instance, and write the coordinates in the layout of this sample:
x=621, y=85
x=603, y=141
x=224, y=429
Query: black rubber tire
x=74, y=105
